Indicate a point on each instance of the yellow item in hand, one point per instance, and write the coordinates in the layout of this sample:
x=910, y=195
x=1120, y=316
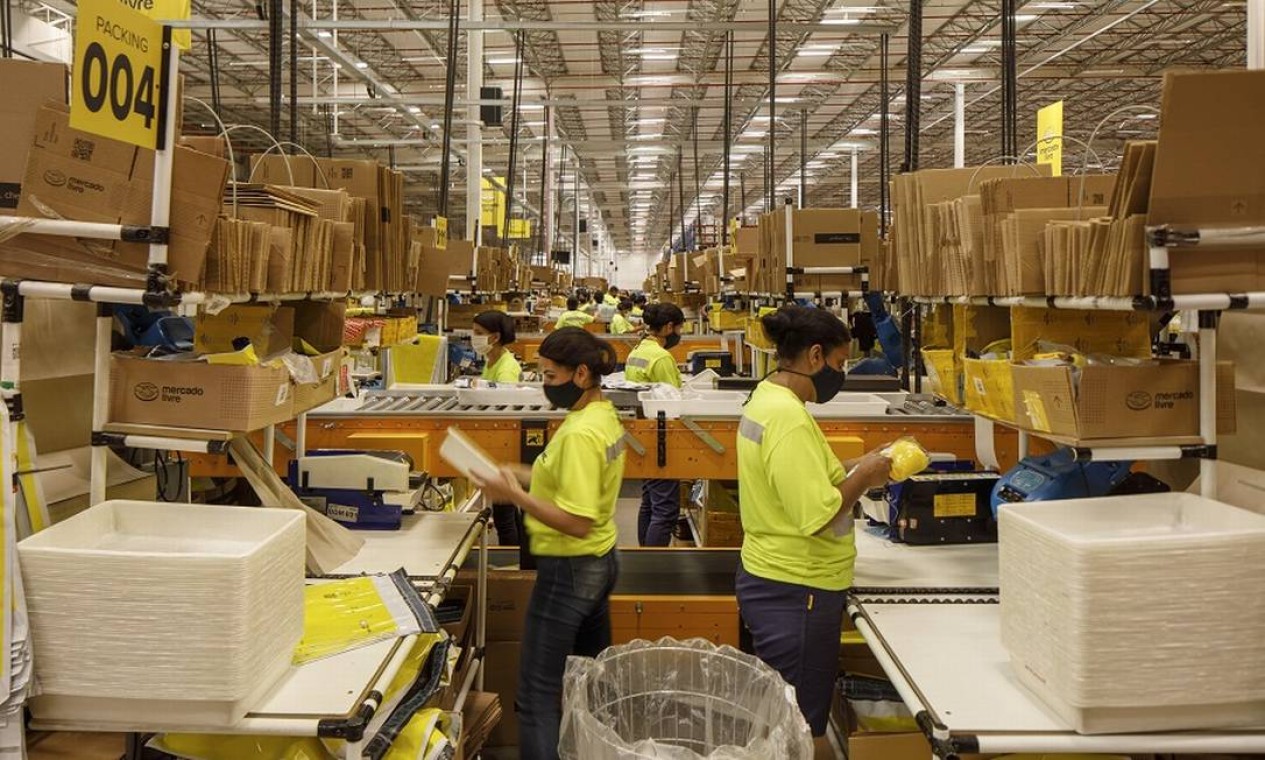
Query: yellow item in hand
x=908, y=459
x=243, y=358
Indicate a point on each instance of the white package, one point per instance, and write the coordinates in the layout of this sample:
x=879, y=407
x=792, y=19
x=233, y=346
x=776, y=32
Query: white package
x=460, y=451
x=144, y=608
x=1137, y=613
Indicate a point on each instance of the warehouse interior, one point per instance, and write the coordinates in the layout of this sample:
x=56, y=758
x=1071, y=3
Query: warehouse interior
x=596, y=379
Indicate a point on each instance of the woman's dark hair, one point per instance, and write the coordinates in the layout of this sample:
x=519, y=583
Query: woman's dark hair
x=572, y=346
x=573, y=303
x=795, y=329
x=497, y=322
x=659, y=315
x=640, y=299
x=625, y=305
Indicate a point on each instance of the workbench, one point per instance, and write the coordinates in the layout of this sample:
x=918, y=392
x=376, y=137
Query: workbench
x=343, y=696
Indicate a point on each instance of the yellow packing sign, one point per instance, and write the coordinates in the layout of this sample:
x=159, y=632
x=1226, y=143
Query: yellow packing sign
x=441, y=232
x=118, y=70
x=1050, y=137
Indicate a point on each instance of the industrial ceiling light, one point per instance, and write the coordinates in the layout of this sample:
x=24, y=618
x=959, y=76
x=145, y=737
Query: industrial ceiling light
x=361, y=65
x=503, y=61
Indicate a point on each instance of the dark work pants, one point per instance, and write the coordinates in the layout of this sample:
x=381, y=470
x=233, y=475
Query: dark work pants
x=506, y=519
x=795, y=629
x=569, y=613
x=660, y=512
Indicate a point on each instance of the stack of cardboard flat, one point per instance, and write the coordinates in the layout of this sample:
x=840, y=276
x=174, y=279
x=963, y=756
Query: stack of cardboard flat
x=291, y=262
x=237, y=261
x=479, y=716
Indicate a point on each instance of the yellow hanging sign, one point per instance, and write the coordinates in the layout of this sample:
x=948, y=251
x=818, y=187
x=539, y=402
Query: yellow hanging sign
x=519, y=229
x=118, y=73
x=441, y=232
x=1050, y=137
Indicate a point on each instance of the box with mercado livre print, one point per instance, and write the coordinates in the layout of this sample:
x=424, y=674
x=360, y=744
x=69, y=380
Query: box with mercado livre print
x=193, y=394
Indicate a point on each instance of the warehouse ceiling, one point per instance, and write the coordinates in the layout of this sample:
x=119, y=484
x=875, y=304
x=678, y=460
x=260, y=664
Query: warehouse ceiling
x=639, y=99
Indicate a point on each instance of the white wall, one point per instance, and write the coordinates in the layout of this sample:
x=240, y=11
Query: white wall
x=633, y=269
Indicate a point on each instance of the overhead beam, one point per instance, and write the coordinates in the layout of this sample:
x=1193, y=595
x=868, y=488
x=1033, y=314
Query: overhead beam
x=491, y=25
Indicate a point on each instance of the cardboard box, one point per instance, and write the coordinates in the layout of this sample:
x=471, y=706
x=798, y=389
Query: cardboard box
x=270, y=329
x=1115, y=333
x=79, y=176
x=193, y=394
x=28, y=85
x=501, y=662
x=508, y=594
x=1119, y=401
x=747, y=241
x=1208, y=169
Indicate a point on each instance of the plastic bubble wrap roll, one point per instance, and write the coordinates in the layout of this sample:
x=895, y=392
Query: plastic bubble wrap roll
x=1137, y=613
x=679, y=700
x=158, y=601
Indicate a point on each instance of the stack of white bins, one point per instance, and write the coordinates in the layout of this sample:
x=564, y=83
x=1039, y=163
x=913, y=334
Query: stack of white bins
x=1137, y=613
x=163, y=614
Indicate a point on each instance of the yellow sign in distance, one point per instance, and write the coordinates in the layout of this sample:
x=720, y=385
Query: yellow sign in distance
x=1050, y=137
x=118, y=68
x=441, y=232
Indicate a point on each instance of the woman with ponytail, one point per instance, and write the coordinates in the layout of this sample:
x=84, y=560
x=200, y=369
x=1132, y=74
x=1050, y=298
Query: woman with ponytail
x=795, y=498
x=570, y=506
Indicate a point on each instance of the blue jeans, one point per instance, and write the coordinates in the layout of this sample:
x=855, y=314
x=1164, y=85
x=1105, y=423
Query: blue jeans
x=660, y=512
x=569, y=613
x=795, y=630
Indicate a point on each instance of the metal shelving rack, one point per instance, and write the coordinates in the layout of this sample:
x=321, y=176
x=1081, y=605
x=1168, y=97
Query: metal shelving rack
x=365, y=673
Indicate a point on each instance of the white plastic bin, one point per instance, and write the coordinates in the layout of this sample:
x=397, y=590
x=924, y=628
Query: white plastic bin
x=1137, y=613
x=146, y=609
x=681, y=700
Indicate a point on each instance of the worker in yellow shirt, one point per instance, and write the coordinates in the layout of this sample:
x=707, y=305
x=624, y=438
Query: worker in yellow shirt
x=612, y=297
x=573, y=317
x=493, y=331
x=639, y=306
x=650, y=362
x=795, y=500
x=619, y=323
x=570, y=521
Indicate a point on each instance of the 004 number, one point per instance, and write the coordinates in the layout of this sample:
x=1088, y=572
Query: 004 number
x=114, y=81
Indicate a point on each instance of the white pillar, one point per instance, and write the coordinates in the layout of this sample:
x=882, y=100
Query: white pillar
x=959, y=125
x=855, y=198
x=547, y=191
x=474, y=147
x=1256, y=34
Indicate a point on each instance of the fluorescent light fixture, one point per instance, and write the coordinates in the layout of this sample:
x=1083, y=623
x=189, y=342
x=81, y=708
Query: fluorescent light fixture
x=658, y=56
x=361, y=65
x=650, y=120
x=414, y=109
x=324, y=34
x=1055, y=6
x=503, y=61
x=841, y=21
x=754, y=134
x=1023, y=18
x=1147, y=116
x=645, y=14
x=864, y=131
x=974, y=50
x=814, y=53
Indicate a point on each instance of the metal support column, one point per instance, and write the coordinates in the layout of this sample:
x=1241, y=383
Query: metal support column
x=547, y=190
x=1256, y=34
x=575, y=221
x=729, y=133
x=959, y=125
x=854, y=197
x=474, y=125
x=803, y=158
x=275, y=31
x=884, y=137
x=445, y=162
x=913, y=87
x=1208, y=401
x=1009, y=83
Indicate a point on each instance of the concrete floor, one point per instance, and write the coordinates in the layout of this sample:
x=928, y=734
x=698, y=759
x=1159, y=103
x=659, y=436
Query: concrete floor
x=626, y=509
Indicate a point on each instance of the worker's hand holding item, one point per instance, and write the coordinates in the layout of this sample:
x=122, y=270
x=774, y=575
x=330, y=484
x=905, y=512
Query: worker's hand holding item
x=501, y=487
x=907, y=458
x=522, y=472
x=873, y=470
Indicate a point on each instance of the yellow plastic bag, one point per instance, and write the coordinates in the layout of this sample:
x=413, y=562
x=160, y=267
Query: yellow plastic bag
x=243, y=358
x=220, y=747
x=908, y=459
x=347, y=614
x=427, y=731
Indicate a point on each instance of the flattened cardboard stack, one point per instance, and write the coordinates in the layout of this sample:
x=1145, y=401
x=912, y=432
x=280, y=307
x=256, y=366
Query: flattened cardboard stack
x=822, y=237
x=382, y=221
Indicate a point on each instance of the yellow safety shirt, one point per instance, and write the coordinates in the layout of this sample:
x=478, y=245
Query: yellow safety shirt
x=610, y=300
x=580, y=470
x=637, y=312
x=788, y=495
x=620, y=324
x=649, y=362
x=503, y=370
x=573, y=319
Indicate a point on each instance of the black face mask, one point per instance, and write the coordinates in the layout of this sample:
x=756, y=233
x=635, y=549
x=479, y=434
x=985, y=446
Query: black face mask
x=827, y=382
x=564, y=396
x=671, y=340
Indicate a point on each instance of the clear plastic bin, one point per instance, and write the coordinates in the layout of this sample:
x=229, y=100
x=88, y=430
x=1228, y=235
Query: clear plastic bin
x=679, y=700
